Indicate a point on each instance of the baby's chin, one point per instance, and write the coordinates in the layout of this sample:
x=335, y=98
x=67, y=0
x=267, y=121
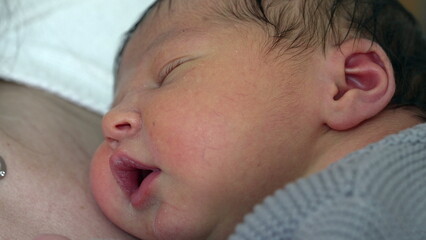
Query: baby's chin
x=163, y=222
x=173, y=223
x=194, y=223
x=159, y=222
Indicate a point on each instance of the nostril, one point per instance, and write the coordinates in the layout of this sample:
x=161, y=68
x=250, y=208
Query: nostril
x=123, y=126
x=119, y=124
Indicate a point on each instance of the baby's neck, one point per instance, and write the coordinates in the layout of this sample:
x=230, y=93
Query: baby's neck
x=335, y=145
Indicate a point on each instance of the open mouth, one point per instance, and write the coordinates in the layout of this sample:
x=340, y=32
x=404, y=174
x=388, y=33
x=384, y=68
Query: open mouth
x=130, y=175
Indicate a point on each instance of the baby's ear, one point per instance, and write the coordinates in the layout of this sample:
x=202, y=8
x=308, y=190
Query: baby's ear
x=361, y=83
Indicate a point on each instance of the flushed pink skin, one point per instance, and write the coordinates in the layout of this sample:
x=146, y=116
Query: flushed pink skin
x=225, y=127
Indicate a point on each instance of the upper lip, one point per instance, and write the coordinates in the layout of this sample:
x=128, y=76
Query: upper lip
x=128, y=172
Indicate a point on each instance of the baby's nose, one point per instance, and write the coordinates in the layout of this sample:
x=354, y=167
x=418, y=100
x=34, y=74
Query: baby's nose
x=120, y=124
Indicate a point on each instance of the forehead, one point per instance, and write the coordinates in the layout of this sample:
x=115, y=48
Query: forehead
x=166, y=21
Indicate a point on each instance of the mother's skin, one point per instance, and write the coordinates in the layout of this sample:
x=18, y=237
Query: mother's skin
x=47, y=144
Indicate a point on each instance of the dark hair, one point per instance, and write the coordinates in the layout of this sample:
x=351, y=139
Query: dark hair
x=301, y=25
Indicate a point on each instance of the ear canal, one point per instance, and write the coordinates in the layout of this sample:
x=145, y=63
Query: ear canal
x=361, y=73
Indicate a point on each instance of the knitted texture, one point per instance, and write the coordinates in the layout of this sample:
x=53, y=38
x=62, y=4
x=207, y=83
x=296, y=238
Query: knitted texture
x=375, y=193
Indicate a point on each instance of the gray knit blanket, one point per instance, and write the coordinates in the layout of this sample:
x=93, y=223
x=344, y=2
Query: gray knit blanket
x=378, y=192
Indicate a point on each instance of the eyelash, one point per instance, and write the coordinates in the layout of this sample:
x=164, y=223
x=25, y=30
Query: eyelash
x=169, y=68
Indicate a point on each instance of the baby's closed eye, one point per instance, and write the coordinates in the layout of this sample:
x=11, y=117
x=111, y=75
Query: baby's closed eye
x=171, y=66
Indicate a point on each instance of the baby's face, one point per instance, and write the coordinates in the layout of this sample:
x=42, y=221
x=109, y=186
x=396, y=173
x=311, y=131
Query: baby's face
x=204, y=126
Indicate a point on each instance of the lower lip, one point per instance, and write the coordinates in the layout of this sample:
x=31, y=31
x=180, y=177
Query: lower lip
x=141, y=197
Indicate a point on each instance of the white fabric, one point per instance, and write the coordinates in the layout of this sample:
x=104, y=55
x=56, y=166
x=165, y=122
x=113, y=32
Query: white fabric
x=66, y=47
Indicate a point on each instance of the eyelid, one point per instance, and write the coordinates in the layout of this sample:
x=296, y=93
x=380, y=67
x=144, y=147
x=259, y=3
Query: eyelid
x=170, y=66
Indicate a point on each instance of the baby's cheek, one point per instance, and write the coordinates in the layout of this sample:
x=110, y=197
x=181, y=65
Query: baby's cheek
x=98, y=175
x=188, y=143
x=103, y=185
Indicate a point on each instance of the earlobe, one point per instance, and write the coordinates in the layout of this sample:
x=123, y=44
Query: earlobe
x=364, y=86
